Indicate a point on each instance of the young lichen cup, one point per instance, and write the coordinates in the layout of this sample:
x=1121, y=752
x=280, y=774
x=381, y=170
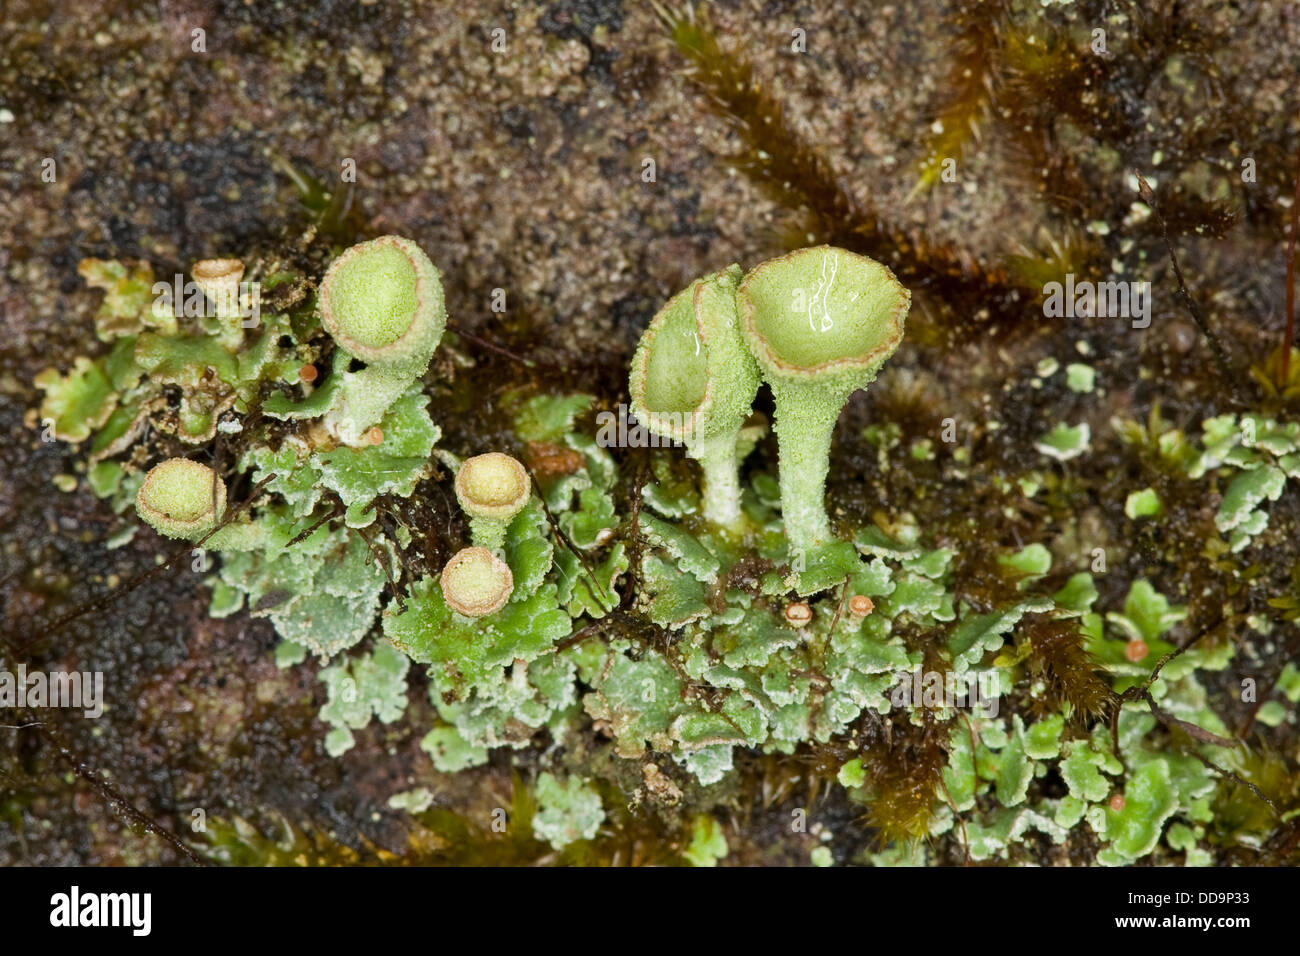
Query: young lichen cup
x=382, y=303
x=492, y=489
x=186, y=499
x=181, y=499
x=693, y=381
x=475, y=582
x=820, y=323
x=220, y=279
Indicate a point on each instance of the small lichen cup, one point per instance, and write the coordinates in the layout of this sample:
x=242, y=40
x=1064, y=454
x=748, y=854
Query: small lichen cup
x=693, y=381
x=382, y=303
x=492, y=489
x=820, y=322
x=181, y=499
x=475, y=582
x=219, y=280
x=186, y=499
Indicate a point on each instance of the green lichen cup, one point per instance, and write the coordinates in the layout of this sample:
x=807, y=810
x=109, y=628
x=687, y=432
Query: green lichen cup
x=693, y=381
x=181, y=499
x=382, y=303
x=186, y=499
x=492, y=489
x=820, y=322
x=476, y=583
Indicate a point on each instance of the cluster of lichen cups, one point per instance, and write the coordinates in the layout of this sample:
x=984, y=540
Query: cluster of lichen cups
x=491, y=489
x=382, y=303
x=816, y=325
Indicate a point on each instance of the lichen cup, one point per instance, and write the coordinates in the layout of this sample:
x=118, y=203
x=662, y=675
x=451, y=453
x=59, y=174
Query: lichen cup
x=219, y=279
x=820, y=322
x=693, y=381
x=181, y=499
x=492, y=489
x=476, y=583
x=382, y=303
x=186, y=499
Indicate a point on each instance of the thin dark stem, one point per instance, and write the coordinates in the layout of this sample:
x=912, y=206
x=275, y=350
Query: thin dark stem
x=839, y=609
x=1220, y=357
x=564, y=539
x=484, y=343
x=304, y=535
x=1224, y=772
x=114, y=797
x=139, y=579
x=110, y=794
x=635, y=548
x=382, y=562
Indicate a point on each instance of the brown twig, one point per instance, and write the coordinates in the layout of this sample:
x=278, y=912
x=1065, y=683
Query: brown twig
x=1143, y=692
x=635, y=542
x=1224, y=772
x=382, y=561
x=484, y=343
x=114, y=798
x=111, y=795
x=839, y=609
x=1199, y=734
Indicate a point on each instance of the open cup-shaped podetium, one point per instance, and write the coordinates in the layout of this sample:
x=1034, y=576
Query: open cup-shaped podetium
x=186, y=499
x=476, y=582
x=820, y=322
x=219, y=279
x=382, y=303
x=492, y=489
x=693, y=381
x=181, y=499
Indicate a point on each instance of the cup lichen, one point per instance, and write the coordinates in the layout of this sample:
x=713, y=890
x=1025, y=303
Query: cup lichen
x=820, y=323
x=492, y=489
x=475, y=582
x=181, y=498
x=508, y=641
x=693, y=381
x=382, y=303
x=186, y=499
x=798, y=614
x=219, y=279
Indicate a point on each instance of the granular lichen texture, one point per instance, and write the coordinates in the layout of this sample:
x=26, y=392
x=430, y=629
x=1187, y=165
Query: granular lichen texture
x=591, y=433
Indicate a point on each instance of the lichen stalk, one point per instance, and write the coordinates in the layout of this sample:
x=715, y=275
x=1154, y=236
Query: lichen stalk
x=718, y=462
x=693, y=381
x=805, y=423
